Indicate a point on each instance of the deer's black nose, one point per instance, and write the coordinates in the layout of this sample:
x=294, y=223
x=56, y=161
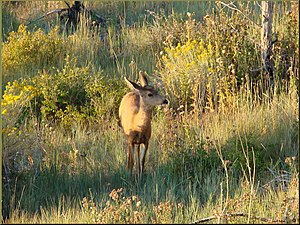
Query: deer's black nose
x=165, y=101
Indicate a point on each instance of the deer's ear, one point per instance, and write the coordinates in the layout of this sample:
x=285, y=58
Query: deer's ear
x=133, y=86
x=143, y=79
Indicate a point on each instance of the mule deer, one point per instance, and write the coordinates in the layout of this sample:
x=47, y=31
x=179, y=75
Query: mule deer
x=135, y=114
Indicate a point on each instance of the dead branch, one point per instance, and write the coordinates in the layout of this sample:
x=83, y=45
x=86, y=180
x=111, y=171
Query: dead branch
x=71, y=14
x=47, y=14
x=239, y=11
x=67, y=4
x=228, y=215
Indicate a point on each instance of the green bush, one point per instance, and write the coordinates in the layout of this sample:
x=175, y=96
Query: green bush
x=25, y=49
x=78, y=94
x=105, y=96
x=72, y=94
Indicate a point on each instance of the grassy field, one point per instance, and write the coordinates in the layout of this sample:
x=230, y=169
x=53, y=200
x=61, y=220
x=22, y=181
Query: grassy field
x=224, y=150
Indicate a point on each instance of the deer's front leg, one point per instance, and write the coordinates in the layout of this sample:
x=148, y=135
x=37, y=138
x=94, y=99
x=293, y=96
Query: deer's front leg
x=143, y=156
x=138, y=160
x=130, y=156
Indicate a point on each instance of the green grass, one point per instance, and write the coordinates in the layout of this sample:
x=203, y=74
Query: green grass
x=240, y=159
x=52, y=190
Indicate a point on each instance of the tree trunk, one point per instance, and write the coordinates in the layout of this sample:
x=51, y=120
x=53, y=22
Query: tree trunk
x=266, y=37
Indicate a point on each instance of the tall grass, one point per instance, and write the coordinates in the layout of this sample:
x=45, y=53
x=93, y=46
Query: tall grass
x=185, y=171
x=233, y=164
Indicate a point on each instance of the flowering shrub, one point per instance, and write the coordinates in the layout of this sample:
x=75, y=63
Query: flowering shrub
x=16, y=103
x=185, y=73
x=20, y=151
x=25, y=49
x=72, y=94
x=206, y=70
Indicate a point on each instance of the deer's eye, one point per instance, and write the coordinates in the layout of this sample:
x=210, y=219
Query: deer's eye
x=150, y=95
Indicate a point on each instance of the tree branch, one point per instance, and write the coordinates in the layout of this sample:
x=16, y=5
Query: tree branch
x=228, y=215
x=47, y=14
x=236, y=9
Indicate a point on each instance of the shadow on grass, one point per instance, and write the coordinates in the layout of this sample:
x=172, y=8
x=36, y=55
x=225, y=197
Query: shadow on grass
x=186, y=175
x=30, y=193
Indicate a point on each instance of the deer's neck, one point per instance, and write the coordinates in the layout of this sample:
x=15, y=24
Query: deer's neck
x=144, y=115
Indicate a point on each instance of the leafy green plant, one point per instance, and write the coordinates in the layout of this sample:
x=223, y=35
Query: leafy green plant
x=31, y=49
x=78, y=94
x=72, y=94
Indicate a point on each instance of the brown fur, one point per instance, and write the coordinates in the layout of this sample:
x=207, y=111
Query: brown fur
x=135, y=114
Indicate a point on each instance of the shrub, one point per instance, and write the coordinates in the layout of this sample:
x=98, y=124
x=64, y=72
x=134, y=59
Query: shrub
x=25, y=49
x=286, y=48
x=15, y=104
x=72, y=94
x=186, y=73
x=78, y=94
x=63, y=92
x=169, y=30
x=21, y=150
x=206, y=68
x=105, y=96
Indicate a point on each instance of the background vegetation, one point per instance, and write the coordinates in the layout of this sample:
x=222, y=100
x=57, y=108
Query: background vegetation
x=226, y=146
